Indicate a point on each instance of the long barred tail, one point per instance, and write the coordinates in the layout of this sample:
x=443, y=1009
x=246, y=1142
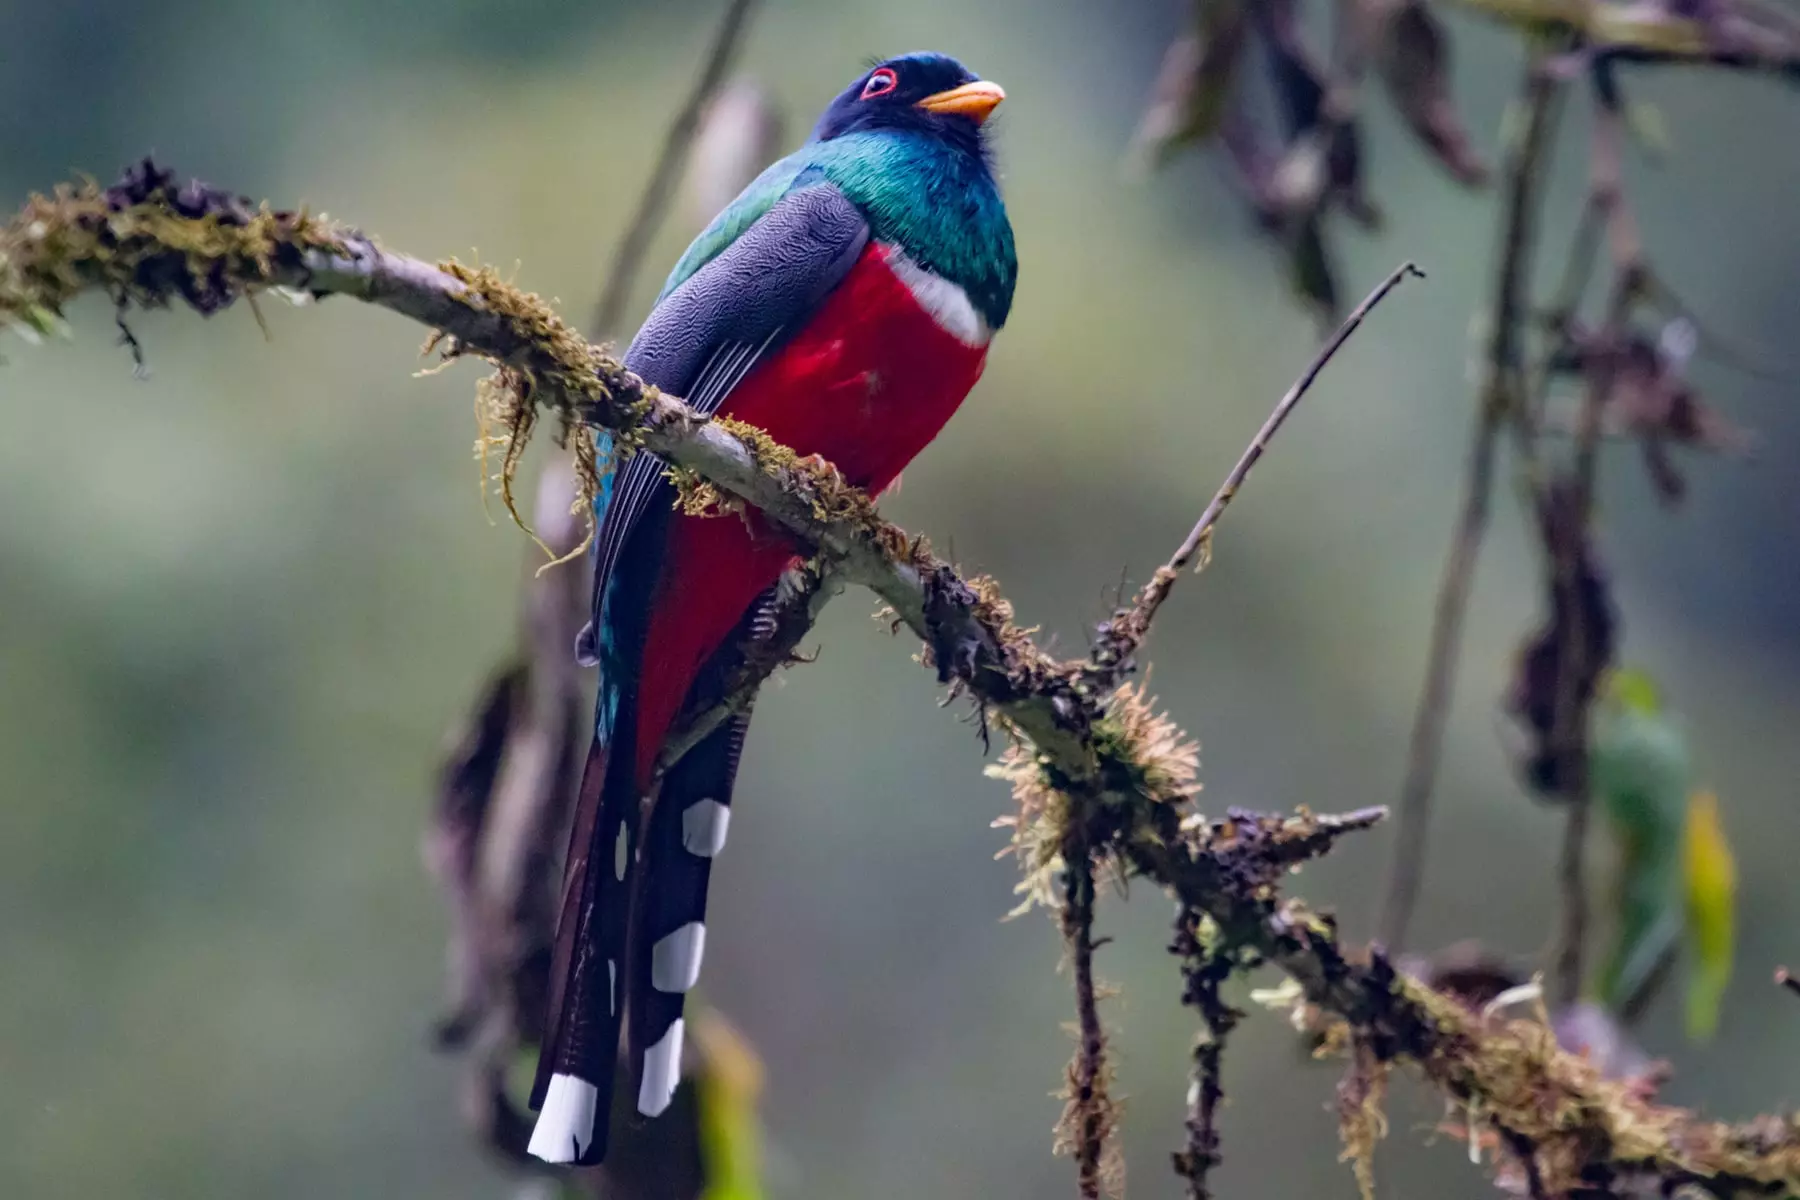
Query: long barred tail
x=632, y=931
x=574, y=1085
x=687, y=829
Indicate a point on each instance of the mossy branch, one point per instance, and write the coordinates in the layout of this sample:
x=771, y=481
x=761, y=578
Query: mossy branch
x=149, y=243
x=1103, y=763
x=1587, y=1131
x=1205, y=967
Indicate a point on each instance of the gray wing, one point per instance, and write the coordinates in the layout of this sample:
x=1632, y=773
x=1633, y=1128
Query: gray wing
x=706, y=335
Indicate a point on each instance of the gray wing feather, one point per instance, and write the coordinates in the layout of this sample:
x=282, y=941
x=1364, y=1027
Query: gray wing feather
x=709, y=333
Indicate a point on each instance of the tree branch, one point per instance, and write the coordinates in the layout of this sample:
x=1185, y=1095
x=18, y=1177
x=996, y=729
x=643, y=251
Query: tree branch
x=1588, y=1131
x=1502, y=399
x=1204, y=970
x=1568, y=539
x=1109, y=765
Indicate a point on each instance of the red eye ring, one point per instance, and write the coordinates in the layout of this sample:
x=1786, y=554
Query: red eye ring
x=881, y=82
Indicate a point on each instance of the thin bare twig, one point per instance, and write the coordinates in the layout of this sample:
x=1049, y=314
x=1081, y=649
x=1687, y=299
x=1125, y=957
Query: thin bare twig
x=1199, y=539
x=1571, y=878
x=1120, y=638
x=654, y=202
x=1574, y=695
x=1559, y=316
x=1525, y=174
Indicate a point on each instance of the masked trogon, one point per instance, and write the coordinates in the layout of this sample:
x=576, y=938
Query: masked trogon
x=843, y=303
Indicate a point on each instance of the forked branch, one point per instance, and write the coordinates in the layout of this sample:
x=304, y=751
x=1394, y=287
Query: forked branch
x=1106, y=765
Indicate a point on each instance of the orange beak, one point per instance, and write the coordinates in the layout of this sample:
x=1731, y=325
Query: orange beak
x=973, y=100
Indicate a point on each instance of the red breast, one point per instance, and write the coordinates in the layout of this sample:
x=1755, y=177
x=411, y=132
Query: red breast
x=869, y=381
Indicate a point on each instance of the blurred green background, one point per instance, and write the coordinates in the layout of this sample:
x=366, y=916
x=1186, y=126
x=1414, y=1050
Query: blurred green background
x=240, y=604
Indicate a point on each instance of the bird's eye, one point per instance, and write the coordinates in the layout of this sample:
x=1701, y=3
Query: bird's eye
x=881, y=82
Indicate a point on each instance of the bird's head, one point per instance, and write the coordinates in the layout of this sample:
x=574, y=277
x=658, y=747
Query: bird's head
x=925, y=93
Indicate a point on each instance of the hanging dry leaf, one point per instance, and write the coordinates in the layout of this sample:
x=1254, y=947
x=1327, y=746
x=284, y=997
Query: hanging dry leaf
x=1195, y=82
x=1561, y=663
x=1649, y=398
x=1413, y=55
x=1310, y=265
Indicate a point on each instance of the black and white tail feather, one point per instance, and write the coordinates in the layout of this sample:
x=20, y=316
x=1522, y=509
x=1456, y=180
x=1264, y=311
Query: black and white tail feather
x=640, y=935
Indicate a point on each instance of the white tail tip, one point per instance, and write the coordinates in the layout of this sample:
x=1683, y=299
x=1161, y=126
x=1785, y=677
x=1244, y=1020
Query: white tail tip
x=662, y=1069
x=565, y=1125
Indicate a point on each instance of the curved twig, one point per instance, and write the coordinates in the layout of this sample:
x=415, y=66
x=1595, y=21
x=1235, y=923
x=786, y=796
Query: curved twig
x=1120, y=638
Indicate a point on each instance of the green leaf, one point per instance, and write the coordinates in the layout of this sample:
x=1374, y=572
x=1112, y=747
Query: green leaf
x=1634, y=690
x=1641, y=780
x=727, y=1086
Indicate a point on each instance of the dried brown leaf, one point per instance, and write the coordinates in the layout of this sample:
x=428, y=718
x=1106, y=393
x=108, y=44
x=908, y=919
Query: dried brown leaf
x=1569, y=651
x=1413, y=55
x=1194, y=85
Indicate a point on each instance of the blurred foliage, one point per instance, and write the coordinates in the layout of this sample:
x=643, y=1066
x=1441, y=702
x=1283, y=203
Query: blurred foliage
x=730, y=1129
x=1641, y=777
x=1711, y=876
x=1294, y=144
x=240, y=602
